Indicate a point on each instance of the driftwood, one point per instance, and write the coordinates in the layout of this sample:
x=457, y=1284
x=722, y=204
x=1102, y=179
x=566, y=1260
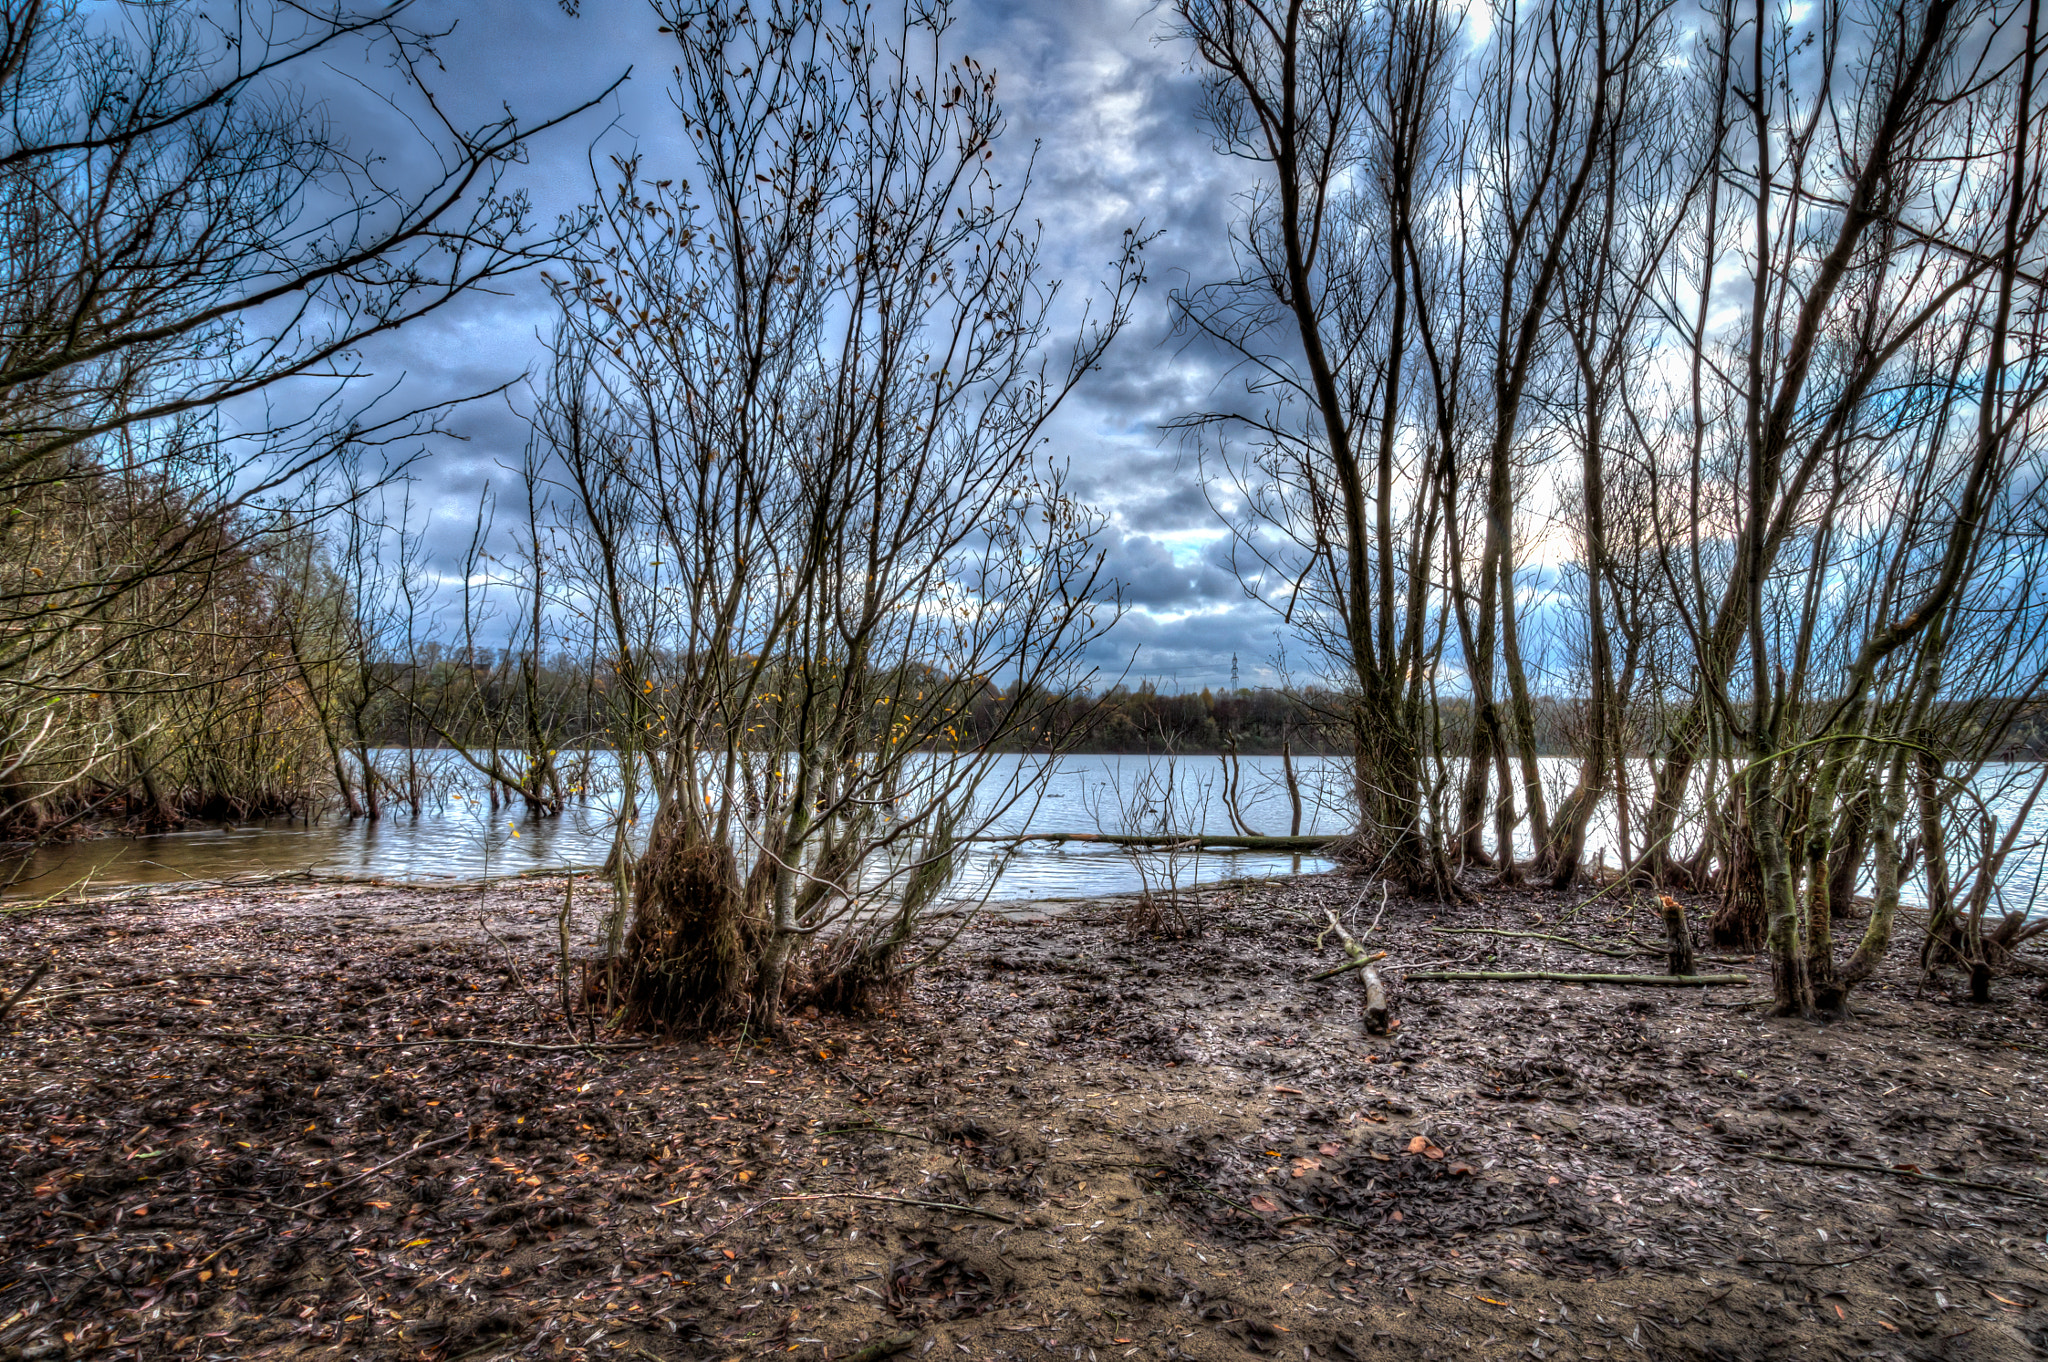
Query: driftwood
x=1378, y=1016
x=1205, y=841
x=1544, y=976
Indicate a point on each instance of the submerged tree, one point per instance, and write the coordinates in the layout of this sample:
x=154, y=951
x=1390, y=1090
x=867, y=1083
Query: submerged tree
x=798, y=405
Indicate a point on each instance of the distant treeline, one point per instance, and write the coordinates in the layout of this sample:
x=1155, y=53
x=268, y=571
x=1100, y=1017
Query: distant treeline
x=484, y=696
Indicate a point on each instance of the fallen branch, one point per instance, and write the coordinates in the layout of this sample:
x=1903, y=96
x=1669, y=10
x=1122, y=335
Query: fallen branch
x=859, y=1196
x=881, y=1348
x=1378, y=1017
x=1544, y=936
x=1541, y=976
x=42, y=968
x=382, y=1044
x=1813, y=1262
x=1131, y=839
x=372, y=1172
x=1347, y=967
x=1903, y=1173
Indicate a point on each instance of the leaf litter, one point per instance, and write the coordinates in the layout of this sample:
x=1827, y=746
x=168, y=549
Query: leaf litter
x=291, y=1121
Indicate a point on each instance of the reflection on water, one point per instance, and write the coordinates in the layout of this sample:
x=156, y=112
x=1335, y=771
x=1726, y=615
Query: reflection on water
x=462, y=841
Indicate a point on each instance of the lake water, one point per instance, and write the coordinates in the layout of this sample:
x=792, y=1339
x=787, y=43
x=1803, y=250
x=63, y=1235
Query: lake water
x=461, y=841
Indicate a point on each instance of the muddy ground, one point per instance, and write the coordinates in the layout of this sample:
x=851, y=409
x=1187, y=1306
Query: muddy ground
x=292, y=1121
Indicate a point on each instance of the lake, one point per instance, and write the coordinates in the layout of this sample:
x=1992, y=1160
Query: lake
x=461, y=841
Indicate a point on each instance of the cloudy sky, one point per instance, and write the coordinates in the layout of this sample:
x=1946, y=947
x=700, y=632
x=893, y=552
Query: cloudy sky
x=1107, y=96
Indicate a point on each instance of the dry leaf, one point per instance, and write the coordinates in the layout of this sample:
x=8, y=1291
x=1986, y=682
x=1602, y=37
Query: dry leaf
x=1432, y=1152
x=1417, y=1145
x=1461, y=1169
x=1332, y=1148
x=1267, y=1204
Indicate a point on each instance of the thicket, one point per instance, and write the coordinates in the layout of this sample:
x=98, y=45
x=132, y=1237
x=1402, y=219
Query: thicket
x=1710, y=332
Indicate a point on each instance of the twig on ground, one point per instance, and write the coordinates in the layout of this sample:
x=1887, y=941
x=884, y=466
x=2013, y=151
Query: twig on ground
x=1544, y=976
x=35, y=977
x=1903, y=1173
x=372, y=1172
x=385, y=1044
x=860, y=1196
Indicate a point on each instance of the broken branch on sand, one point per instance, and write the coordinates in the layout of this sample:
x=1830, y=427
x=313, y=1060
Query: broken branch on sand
x=1546, y=976
x=1378, y=1017
x=372, y=1172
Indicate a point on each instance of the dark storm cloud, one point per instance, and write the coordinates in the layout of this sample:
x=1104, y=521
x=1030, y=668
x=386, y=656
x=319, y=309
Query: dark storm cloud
x=1110, y=112
x=1154, y=578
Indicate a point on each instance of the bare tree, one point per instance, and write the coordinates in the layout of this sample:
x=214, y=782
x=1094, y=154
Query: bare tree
x=1342, y=106
x=799, y=409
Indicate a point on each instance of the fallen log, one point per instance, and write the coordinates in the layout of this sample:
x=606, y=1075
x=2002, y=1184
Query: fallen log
x=1545, y=976
x=1378, y=1016
x=1545, y=936
x=1205, y=841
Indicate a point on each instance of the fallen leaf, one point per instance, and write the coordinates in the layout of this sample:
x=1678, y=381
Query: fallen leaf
x=1332, y=1148
x=1417, y=1145
x=1395, y=1217
x=1460, y=1169
x=1432, y=1152
x=1296, y=1091
x=1267, y=1204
